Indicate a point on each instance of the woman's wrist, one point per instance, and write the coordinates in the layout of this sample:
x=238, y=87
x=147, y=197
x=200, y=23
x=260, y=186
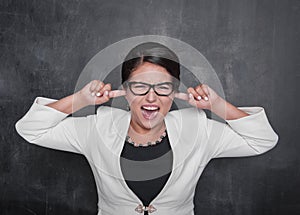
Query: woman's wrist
x=226, y=111
x=79, y=101
x=69, y=104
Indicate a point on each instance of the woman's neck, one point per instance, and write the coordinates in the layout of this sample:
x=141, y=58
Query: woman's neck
x=141, y=135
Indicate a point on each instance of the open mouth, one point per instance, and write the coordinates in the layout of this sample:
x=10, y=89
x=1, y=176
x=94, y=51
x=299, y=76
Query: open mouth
x=150, y=111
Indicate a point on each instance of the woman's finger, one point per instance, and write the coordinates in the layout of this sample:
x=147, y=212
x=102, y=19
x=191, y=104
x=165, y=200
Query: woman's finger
x=98, y=88
x=117, y=93
x=194, y=94
x=93, y=85
x=182, y=96
x=201, y=92
x=205, y=88
x=104, y=91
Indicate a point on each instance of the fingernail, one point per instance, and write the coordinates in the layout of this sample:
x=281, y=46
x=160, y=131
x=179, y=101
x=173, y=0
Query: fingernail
x=199, y=98
x=92, y=94
x=106, y=93
x=205, y=98
x=98, y=94
x=191, y=96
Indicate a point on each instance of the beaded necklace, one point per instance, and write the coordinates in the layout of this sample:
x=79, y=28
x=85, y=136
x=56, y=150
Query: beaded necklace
x=150, y=143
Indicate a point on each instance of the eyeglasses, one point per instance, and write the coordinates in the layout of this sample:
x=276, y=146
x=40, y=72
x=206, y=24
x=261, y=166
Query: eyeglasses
x=141, y=88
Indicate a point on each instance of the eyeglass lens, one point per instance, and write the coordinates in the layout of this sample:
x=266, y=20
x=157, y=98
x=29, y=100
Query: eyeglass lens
x=140, y=88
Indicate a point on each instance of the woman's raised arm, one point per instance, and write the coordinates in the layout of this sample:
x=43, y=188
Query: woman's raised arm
x=202, y=96
x=46, y=123
x=95, y=92
x=246, y=133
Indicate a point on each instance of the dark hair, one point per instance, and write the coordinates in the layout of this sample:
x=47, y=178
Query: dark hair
x=155, y=53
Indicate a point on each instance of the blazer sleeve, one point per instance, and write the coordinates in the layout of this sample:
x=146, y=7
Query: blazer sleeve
x=246, y=136
x=48, y=127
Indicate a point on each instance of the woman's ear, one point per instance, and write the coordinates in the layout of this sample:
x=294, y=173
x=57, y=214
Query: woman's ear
x=125, y=89
x=127, y=98
x=172, y=95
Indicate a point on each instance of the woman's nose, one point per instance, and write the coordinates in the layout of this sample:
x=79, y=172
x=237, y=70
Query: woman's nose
x=151, y=96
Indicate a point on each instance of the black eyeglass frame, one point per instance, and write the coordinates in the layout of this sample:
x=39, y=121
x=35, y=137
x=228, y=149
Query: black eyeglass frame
x=151, y=86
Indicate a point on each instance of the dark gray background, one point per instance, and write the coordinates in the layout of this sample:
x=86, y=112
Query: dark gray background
x=253, y=46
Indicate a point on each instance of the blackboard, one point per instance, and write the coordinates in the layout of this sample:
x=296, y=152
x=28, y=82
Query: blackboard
x=253, y=46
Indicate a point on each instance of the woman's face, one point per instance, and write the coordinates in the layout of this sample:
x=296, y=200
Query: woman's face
x=148, y=111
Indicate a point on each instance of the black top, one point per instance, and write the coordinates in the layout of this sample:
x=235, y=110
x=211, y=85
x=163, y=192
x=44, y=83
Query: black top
x=147, y=179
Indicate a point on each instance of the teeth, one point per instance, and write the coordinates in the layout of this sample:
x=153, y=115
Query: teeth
x=150, y=108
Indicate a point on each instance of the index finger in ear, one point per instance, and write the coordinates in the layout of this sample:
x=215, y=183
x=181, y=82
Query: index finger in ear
x=182, y=96
x=117, y=93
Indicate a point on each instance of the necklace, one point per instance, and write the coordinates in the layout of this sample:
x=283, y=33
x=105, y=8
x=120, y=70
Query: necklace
x=130, y=141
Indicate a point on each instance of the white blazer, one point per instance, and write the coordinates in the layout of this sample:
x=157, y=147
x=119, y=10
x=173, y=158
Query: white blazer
x=194, y=139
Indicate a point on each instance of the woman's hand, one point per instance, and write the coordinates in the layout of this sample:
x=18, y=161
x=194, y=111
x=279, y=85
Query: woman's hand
x=202, y=96
x=96, y=92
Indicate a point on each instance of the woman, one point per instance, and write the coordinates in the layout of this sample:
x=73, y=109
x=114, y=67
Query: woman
x=148, y=159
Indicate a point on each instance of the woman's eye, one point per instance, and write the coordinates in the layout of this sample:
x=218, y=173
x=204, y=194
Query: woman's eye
x=164, y=87
x=139, y=86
